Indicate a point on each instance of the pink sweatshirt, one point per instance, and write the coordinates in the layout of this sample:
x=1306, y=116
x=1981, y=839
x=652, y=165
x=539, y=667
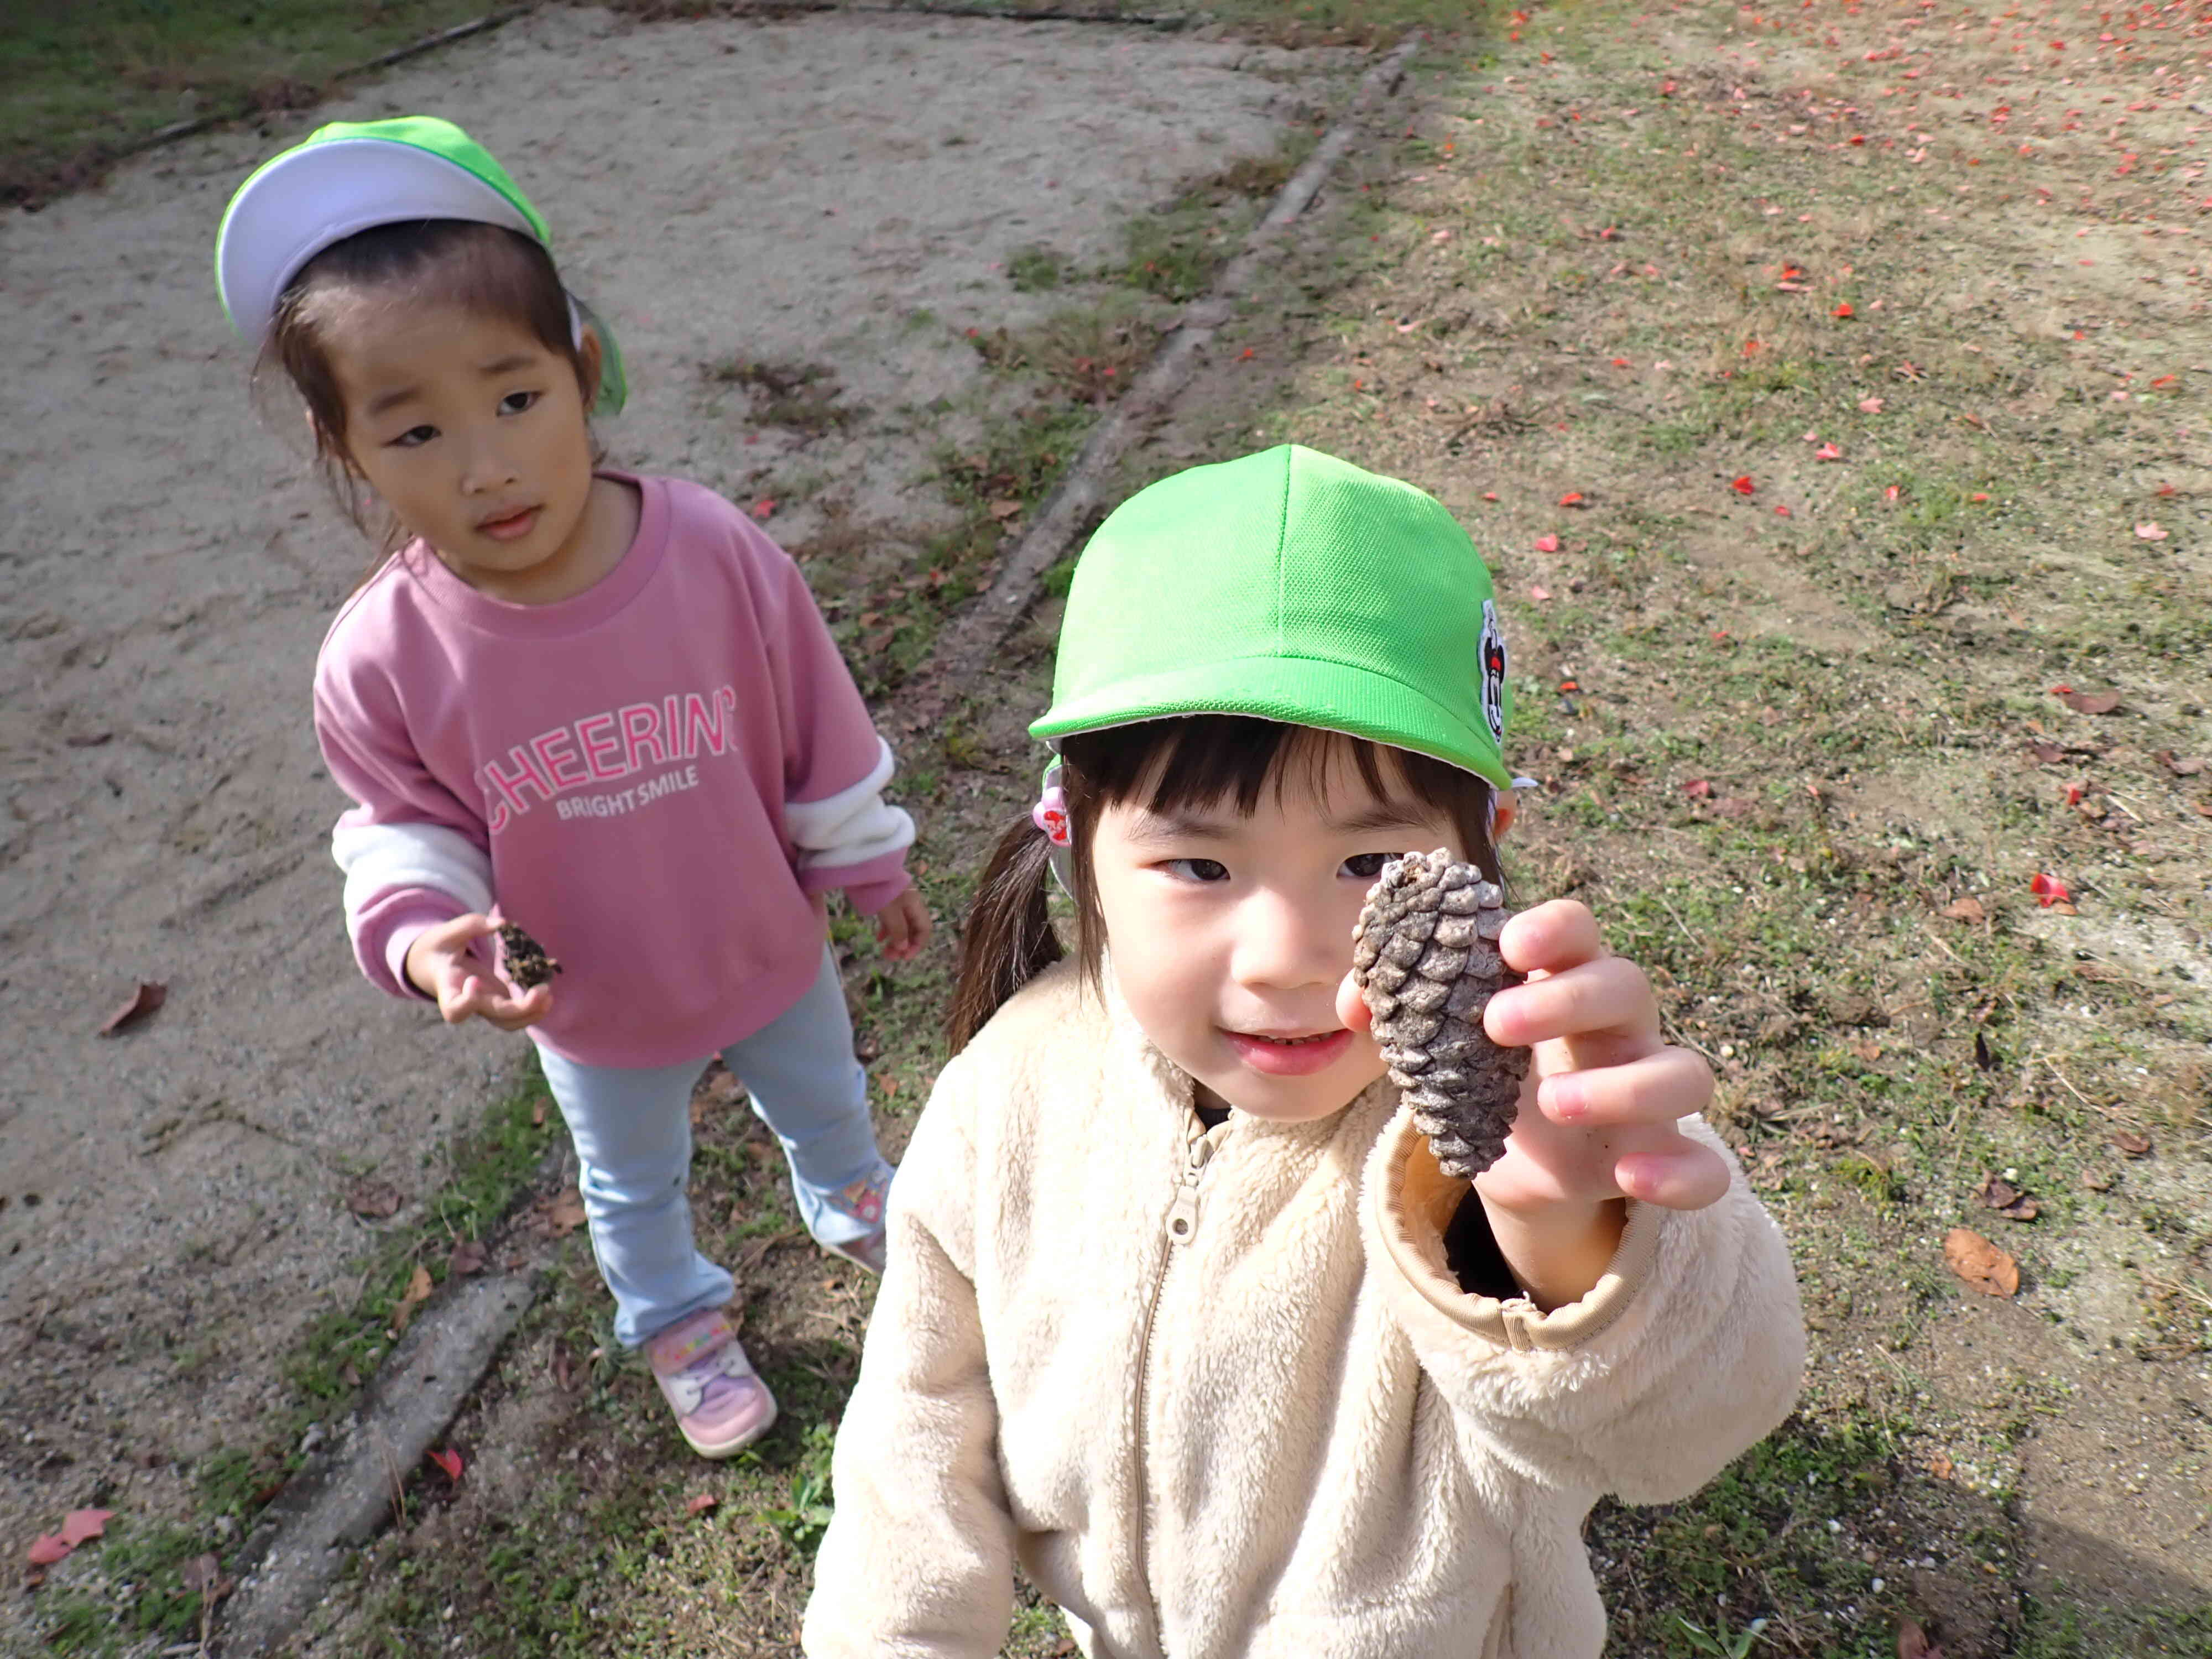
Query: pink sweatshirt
x=651, y=777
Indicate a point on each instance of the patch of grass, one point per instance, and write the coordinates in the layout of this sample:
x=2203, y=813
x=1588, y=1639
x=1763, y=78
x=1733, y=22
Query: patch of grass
x=85, y=81
x=1174, y=251
x=802, y=398
x=139, y=1586
x=489, y=1166
x=801, y=1521
x=1087, y=353
x=140, y=1592
x=1813, y=722
x=1034, y=269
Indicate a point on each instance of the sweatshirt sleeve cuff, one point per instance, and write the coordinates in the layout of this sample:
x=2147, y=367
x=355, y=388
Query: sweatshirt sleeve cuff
x=1414, y=1202
x=390, y=931
x=868, y=886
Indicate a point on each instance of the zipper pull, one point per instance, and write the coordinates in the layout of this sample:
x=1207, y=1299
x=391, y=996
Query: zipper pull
x=1183, y=1214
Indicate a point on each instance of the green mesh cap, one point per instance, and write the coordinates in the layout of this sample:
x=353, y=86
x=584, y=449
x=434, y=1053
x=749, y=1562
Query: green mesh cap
x=352, y=176
x=1293, y=586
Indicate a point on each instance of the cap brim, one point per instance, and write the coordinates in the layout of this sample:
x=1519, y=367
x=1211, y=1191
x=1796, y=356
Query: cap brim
x=1299, y=691
x=307, y=198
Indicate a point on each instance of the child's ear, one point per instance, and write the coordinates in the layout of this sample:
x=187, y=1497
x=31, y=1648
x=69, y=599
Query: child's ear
x=593, y=360
x=1503, y=812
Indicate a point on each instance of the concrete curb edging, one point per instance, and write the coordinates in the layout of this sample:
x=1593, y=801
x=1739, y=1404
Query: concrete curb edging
x=969, y=640
x=330, y=1511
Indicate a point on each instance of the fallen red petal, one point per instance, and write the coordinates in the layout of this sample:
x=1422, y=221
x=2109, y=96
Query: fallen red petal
x=1548, y=543
x=80, y=1524
x=143, y=1001
x=1743, y=486
x=46, y=1551
x=1827, y=452
x=448, y=1460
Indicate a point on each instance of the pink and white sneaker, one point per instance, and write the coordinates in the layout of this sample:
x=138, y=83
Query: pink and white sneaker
x=709, y=1384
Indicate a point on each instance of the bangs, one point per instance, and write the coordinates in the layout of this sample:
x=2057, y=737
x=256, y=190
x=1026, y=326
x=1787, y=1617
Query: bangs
x=486, y=270
x=1205, y=761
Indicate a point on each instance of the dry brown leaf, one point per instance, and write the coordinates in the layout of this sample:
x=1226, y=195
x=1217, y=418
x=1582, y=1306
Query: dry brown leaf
x=1980, y=1263
x=2049, y=753
x=1939, y=1465
x=372, y=1200
x=468, y=1257
x=2091, y=702
x=416, y=1293
x=2129, y=1141
x=700, y=1503
x=143, y=1001
x=1912, y=1641
x=1966, y=909
x=1005, y=509
x=567, y=1213
x=2007, y=1199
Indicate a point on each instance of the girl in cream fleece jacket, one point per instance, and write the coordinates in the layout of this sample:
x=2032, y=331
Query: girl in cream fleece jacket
x=1180, y=1312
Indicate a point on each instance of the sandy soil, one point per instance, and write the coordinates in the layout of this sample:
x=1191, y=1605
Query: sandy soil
x=833, y=190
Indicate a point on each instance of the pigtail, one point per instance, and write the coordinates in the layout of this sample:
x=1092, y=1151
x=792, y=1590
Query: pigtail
x=1009, y=940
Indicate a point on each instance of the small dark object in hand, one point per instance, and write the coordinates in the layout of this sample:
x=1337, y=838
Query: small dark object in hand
x=527, y=964
x=1425, y=957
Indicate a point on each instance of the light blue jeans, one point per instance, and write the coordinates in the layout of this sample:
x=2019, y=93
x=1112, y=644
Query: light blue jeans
x=632, y=1128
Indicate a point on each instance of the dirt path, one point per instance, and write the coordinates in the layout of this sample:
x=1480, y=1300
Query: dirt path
x=798, y=226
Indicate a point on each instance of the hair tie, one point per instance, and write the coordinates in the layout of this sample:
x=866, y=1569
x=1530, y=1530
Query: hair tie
x=1050, y=816
x=1050, y=812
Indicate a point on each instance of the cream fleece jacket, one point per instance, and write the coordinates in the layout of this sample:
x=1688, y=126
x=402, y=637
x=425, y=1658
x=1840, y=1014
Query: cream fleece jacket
x=1220, y=1393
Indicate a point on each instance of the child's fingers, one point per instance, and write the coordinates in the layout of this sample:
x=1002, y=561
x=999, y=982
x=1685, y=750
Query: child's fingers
x=1689, y=1177
x=1657, y=1088
x=460, y=934
x=1550, y=937
x=1608, y=994
x=512, y=1013
x=464, y=995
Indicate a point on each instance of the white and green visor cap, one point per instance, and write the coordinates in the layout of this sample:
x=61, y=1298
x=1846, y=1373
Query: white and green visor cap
x=352, y=176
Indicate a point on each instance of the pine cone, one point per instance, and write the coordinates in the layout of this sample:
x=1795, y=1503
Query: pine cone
x=524, y=958
x=1425, y=955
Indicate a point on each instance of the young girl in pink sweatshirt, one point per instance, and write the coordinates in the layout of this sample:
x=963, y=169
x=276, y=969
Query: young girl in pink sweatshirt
x=603, y=704
x=1182, y=1313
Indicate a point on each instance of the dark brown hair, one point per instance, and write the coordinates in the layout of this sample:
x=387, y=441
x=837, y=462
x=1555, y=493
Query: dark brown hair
x=1196, y=762
x=488, y=270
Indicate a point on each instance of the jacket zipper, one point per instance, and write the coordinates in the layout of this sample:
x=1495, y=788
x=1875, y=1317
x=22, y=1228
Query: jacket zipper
x=1182, y=1222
